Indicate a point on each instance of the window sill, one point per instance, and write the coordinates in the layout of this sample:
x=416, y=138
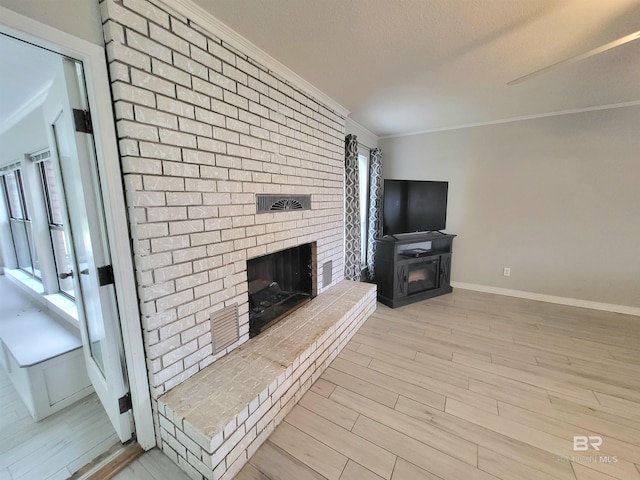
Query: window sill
x=64, y=307
x=57, y=303
x=25, y=281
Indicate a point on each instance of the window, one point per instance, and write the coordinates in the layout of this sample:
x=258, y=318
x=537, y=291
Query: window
x=34, y=201
x=363, y=177
x=20, y=222
x=53, y=203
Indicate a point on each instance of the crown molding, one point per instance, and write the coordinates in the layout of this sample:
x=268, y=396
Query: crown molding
x=633, y=103
x=540, y=297
x=26, y=108
x=208, y=21
x=370, y=140
x=357, y=125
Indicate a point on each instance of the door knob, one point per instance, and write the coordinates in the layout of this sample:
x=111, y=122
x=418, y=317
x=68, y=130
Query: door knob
x=64, y=275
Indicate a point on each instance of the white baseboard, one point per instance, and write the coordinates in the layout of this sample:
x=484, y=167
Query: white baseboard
x=573, y=302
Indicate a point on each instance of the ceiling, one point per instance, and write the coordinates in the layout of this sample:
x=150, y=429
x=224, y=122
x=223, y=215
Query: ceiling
x=407, y=66
x=26, y=72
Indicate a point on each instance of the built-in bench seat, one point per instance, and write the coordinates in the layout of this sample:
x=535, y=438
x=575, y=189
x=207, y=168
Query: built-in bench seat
x=44, y=360
x=218, y=418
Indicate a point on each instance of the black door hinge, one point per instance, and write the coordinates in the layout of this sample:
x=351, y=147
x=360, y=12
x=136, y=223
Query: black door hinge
x=82, y=119
x=124, y=403
x=105, y=275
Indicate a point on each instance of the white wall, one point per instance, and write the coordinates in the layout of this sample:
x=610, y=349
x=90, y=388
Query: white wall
x=77, y=17
x=557, y=199
x=26, y=136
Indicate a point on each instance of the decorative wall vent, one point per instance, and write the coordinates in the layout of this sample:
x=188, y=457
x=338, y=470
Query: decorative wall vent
x=327, y=273
x=224, y=328
x=279, y=203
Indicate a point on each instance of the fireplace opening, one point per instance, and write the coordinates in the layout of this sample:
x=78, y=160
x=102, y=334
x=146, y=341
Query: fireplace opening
x=423, y=276
x=278, y=284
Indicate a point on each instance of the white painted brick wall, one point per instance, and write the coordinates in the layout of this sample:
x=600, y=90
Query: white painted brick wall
x=201, y=129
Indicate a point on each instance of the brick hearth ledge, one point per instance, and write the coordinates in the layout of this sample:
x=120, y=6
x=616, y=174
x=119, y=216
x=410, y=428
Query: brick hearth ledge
x=212, y=423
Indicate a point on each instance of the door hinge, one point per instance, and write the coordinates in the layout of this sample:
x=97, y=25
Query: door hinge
x=105, y=275
x=82, y=119
x=124, y=402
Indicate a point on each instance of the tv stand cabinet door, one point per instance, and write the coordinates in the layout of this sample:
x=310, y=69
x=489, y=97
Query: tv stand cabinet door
x=445, y=270
x=401, y=281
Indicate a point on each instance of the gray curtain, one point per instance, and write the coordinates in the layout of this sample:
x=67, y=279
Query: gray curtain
x=352, y=267
x=374, y=221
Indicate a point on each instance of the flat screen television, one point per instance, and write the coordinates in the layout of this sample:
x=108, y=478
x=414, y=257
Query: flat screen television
x=414, y=206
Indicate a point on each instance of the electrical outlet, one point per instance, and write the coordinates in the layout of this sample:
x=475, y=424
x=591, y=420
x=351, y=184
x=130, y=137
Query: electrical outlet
x=506, y=272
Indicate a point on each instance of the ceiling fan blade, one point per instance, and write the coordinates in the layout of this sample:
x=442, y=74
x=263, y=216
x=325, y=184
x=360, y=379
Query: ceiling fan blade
x=603, y=48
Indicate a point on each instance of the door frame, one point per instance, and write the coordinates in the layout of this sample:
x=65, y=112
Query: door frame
x=93, y=59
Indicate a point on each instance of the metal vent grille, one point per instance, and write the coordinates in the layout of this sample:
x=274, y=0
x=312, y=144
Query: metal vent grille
x=327, y=273
x=224, y=328
x=275, y=203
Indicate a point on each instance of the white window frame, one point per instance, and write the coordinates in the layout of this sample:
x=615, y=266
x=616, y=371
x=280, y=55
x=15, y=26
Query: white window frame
x=44, y=287
x=23, y=222
x=363, y=190
x=55, y=226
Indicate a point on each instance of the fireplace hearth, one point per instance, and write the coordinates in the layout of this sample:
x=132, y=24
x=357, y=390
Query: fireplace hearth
x=278, y=284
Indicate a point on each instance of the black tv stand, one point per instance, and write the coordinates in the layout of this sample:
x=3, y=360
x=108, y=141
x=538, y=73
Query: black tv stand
x=413, y=267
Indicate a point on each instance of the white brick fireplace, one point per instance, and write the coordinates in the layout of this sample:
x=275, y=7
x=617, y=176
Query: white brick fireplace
x=202, y=129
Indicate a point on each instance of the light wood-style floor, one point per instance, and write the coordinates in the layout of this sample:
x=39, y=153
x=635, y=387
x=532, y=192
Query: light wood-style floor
x=469, y=386
x=151, y=465
x=54, y=447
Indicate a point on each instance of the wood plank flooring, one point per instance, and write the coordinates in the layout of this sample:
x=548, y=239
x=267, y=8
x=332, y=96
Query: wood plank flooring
x=469, y=386
x=54, y=447
x=151, y=465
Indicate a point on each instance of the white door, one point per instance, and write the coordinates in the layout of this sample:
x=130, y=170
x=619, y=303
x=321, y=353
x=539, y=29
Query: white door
x=90, y=259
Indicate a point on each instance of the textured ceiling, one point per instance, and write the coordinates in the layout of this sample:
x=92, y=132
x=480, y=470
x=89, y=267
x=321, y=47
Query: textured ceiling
x=403, y=66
